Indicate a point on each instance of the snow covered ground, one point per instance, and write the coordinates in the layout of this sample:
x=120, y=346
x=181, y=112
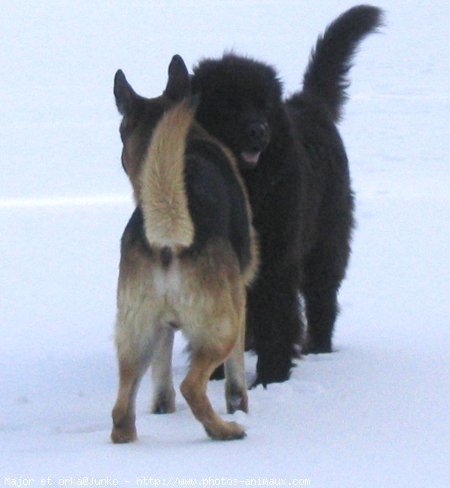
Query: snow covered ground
x=373, y=414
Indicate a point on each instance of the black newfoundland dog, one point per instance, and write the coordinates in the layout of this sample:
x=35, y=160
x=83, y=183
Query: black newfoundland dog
x=295, y=167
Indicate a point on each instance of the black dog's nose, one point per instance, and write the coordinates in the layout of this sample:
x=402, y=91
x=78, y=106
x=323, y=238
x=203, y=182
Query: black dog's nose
x=257, y=131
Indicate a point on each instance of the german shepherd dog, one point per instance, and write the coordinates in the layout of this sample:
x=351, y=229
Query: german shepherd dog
x=187, y=255
x=296, y=171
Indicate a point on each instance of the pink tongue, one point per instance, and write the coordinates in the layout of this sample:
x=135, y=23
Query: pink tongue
x=250, y=157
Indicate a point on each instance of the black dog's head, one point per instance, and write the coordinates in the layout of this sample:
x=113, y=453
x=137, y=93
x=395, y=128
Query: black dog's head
x=141, y=115
x=237, y=99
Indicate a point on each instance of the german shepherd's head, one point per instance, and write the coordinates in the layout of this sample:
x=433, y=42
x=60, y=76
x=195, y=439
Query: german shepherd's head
x=141, y=115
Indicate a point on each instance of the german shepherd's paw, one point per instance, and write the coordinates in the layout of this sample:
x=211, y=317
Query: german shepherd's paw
x=237, y=399
x=227, y=431
x=164, y=403
x=123, y=435
x=124, y=427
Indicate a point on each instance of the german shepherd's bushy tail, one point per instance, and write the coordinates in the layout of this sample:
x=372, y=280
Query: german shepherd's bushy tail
x=331, y=60
x=164, y=201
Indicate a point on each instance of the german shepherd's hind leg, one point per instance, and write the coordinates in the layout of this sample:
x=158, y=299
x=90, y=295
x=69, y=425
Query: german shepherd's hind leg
x=163, y=392
x=131, y=371
x=137, y=334
x=236, y=384
x=204, y=359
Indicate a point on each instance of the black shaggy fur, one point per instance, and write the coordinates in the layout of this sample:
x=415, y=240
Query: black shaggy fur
x=298, y=181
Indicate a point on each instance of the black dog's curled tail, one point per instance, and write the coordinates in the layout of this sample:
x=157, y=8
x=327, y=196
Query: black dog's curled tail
x=331, y=60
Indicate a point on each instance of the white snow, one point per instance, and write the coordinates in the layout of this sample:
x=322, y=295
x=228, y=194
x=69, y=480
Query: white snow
x=373, y=414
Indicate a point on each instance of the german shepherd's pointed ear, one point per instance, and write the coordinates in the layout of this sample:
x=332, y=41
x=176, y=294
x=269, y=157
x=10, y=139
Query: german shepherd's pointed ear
x=126, y=97
x=179, y=83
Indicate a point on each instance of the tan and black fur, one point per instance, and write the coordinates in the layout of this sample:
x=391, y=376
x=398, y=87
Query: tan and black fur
x=188, y=253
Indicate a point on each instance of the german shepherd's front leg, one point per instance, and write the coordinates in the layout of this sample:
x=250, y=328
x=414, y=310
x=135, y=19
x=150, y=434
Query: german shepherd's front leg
x=163, y=391
x=193, y=388
x=236, y=384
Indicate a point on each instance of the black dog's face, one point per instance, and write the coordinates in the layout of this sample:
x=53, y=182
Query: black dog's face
x=237, y=99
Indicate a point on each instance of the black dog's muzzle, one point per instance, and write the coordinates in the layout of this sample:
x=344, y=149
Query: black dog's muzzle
x=256, y=140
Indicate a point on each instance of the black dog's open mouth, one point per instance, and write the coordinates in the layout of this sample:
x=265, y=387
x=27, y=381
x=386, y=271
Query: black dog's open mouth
x=251, y=158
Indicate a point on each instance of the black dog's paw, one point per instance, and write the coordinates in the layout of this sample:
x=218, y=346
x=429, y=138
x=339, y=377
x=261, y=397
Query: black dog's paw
x=317, y=347
x=266, y=379
x=272, y=370
x=218, y=373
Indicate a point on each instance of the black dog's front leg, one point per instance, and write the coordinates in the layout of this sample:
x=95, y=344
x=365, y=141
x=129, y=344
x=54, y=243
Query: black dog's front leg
x=273, y=317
